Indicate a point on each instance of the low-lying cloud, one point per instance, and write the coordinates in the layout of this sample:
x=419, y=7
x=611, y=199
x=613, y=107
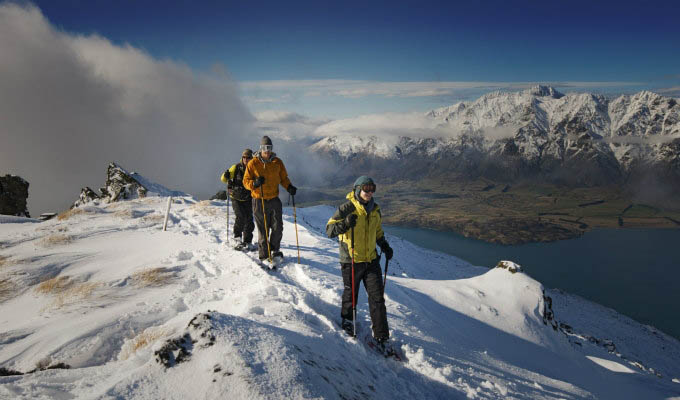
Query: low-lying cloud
x=70, y=104
x=387, y=125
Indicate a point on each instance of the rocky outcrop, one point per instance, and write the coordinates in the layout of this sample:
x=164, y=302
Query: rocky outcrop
x=123, y=185
x=120, y=185
x=221, y=195
x=13, y=196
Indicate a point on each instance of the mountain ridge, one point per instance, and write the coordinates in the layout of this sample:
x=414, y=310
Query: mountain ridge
x=575, y=139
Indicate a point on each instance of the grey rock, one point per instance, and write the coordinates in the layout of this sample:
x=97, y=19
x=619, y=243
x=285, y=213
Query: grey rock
x=13, y=196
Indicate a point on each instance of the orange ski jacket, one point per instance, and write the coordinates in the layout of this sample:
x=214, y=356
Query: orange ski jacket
x=274, y=173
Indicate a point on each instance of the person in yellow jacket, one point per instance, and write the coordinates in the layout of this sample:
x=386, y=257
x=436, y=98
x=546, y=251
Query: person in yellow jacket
x=241, y=202
x=264, y=173
x=360, y=217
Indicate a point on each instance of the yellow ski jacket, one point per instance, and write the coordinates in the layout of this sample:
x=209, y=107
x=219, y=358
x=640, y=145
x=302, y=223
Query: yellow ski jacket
x=367, y=231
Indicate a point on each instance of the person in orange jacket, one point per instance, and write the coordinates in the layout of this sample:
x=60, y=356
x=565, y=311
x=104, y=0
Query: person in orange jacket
x=264, y=173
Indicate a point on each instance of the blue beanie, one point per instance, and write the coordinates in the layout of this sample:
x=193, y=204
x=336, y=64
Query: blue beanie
x=362, y=180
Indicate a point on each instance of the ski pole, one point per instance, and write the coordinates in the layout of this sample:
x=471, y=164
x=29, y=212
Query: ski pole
x=297, y=242
x=227, y=214
x=387, y=261
x=354, y=300
x=266, y=233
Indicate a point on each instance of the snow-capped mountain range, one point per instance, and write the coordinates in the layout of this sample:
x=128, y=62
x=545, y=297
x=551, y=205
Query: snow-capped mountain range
x=101, y=303
x=576, y=138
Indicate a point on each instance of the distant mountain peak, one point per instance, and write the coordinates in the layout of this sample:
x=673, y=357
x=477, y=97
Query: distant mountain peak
x=545, y=91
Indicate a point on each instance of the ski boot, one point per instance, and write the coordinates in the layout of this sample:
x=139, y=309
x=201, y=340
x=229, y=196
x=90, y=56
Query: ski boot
x=348, y=326
x=277, y=258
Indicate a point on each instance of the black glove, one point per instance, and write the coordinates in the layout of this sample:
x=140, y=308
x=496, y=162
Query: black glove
x=258, y=181
x=230, y=184
x=292, y=189
x=350, y=220
x=387, y=250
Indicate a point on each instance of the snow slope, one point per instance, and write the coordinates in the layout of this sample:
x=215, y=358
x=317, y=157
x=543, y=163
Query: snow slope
x=141, y=313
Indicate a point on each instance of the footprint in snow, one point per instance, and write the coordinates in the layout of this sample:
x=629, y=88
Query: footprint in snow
x=185, y=255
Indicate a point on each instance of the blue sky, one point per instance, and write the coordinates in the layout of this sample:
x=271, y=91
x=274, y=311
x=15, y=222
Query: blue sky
x=636, y=45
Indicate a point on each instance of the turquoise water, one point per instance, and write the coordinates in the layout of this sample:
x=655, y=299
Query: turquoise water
x=634, y=271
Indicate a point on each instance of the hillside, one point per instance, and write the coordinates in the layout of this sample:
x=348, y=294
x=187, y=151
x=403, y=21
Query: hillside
x=135, y=312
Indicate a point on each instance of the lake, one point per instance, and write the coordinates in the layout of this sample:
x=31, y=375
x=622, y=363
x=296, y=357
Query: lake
x=634, y=271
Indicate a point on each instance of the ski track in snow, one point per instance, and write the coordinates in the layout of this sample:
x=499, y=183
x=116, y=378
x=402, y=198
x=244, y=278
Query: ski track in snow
x=466, y=331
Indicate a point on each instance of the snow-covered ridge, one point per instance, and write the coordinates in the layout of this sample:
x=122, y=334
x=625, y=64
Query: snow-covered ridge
x=141, y=313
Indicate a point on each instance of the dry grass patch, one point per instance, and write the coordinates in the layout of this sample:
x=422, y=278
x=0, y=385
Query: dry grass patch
x=4, y=261
x=153, y=277
x=78, y=211
x=75, y=293
x=205, y=207
x=66, y=290
x=7, y=289
x=54, y=285
x=56, y=240
x=124, y=213
x=154, y=218
x=147, y=337
x=69, y=213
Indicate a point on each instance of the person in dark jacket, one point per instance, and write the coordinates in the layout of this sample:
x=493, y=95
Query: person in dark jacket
x=360, y=217
x=264, y=173
x=241, y=202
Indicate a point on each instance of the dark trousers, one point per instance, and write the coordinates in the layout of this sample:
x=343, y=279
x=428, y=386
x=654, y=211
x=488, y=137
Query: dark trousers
x=243, y=225
x=274, y=211
x=371, y=275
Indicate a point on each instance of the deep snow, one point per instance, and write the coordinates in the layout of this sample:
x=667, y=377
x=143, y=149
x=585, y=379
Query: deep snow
x=466, y=331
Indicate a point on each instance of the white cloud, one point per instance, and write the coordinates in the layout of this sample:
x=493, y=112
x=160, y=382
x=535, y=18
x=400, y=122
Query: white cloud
x=286, y=124
x=387, y=126
x=70, y=104
x=354, y=89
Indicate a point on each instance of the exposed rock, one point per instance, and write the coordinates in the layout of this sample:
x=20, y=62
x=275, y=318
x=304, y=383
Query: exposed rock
x=47, y=216
x=120, y=185
x=199, y=335
x=221, y=195
x=510, y=266
x=13, y=196
x=9, y=372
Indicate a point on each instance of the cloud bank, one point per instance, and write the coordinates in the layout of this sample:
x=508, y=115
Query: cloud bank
x=70, y=104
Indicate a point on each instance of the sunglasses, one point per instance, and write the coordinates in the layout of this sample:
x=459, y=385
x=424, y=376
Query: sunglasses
x=266, y=147
x=368, y=187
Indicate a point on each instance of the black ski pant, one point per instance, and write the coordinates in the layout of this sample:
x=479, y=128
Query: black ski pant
x=243, y=224
x=371, y=275
x=274, y=211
